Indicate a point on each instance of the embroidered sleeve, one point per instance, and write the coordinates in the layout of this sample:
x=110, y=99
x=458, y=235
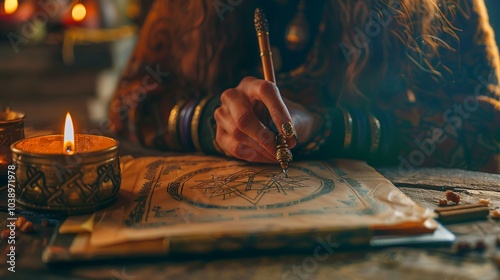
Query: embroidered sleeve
x=145, y=93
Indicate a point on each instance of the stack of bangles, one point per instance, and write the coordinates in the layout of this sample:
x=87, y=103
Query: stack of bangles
x=351, y=133
x=191, y=126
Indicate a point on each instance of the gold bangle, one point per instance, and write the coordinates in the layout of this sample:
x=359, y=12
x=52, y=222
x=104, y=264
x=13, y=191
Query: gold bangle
x=196, y=121
x=375, y=134
x=172, y=132
x=348, y=128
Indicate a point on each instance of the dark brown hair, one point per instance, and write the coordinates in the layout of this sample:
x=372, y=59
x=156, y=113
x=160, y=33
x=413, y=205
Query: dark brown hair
x=206, y=48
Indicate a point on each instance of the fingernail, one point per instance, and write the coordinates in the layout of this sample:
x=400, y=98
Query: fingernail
x=288, y=130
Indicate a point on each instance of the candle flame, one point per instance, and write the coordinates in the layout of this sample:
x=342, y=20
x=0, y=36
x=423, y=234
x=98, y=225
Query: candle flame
x=78, y=12
x=69, y=136
x=10, y=6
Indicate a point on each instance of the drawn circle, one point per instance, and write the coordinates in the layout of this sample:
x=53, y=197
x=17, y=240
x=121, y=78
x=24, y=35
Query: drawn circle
x=239, y=188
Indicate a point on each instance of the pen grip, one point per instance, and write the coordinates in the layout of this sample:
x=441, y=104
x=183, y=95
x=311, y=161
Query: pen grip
x=267, y=57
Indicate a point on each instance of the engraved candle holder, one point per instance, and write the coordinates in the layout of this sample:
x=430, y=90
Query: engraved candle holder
x=11, y=130
x=49, y=180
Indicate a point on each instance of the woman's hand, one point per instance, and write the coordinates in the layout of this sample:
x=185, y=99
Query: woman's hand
x=242, y=120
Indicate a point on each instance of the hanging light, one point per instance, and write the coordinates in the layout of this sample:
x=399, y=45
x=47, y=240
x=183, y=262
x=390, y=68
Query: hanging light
x=79, y=11
x=133, y=9
x=10, y=6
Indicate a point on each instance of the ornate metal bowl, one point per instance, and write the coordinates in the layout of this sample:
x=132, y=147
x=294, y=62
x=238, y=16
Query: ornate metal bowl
x=11, y=130
x=49, y=180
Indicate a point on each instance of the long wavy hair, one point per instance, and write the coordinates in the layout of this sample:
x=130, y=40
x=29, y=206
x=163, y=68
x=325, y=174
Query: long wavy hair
x=214, y=44
x=417, y=27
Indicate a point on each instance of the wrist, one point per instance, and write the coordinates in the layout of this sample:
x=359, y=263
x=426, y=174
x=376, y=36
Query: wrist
x=312, y=129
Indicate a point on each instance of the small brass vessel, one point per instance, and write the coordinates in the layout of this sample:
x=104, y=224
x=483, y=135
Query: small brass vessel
x=49, y=180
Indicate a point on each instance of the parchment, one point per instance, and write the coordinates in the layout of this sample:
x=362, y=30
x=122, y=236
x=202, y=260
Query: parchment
x=196, y=196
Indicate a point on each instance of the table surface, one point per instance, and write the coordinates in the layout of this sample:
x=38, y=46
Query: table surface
x=422, y=185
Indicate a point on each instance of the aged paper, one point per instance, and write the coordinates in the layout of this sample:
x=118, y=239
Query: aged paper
x=199, y=196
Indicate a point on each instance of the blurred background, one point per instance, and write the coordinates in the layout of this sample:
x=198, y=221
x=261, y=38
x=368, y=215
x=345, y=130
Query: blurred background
x=67, y=55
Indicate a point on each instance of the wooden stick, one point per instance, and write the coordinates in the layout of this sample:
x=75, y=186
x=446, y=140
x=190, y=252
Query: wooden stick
x=463, y=213
x=460, y=207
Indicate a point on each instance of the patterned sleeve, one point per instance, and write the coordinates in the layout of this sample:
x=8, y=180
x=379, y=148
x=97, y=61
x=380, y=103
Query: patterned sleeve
x=149, y=88
x=170, y=87
x=453, y=119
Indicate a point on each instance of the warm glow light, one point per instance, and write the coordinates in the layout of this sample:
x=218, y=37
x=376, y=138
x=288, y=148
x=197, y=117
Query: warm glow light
x=10, y=6
x=79, y=12
x=69, y=136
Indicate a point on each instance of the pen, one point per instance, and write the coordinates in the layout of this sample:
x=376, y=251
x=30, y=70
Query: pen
x=283, y=154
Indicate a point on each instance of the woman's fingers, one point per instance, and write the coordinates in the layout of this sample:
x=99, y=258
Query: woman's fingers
x=240, y=150
x=266, y=92
x=242, y=119
x=228, y=136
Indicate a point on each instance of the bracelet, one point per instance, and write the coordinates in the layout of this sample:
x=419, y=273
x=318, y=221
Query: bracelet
x=173, y=139
x=160, y=112
x=320, y=139
x=386, y=134
x=340, y=138
x=207, y=128
x=339, y=141
x=195, y=123
x=375, y=134
x=360, y=135
x=185, y=119
x=348, y=128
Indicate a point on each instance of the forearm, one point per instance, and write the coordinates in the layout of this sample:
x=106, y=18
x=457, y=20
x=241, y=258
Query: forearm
x=174, y=122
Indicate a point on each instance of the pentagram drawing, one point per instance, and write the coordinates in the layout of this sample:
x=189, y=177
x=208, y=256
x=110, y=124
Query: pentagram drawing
x=249, y=188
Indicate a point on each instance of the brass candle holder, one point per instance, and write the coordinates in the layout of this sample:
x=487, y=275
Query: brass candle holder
x=11, y=130
x=48, y=178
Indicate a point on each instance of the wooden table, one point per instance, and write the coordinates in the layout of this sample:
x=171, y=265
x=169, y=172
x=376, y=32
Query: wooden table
x=423, y=186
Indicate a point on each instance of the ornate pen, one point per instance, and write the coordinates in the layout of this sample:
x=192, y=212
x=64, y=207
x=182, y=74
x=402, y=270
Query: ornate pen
x=283, y=154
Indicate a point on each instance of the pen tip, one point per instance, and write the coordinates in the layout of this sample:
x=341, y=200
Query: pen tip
x=260, y=21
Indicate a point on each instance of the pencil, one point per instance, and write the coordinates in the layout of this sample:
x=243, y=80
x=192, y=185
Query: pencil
x=283, y=154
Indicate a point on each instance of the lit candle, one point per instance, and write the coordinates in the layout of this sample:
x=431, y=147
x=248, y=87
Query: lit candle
x=69, y=173
x=69, y=136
